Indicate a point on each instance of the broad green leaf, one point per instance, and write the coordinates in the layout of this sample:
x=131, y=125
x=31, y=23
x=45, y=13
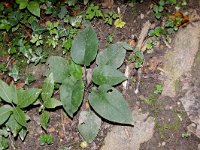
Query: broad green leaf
x=27, y=97
x=114, y=56
x=89, y=125
x=52, y=103
x=107, y=75
x=47, y=88
x=5, y=112
x=8, y=93
x=22, y=133
x=84, y=47
x=14, y=73
x=4, y=143
x=110, y=104
x=75, y=70
x=34, y=8
x=4, y=132
x=13, y=125
x=22, y=3
x=59, y=67
x=44, y=119
x=20, y=116
x=71, y=94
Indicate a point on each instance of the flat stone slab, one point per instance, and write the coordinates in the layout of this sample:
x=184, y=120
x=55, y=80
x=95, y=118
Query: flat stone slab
x=182, y=70
x=130, y=138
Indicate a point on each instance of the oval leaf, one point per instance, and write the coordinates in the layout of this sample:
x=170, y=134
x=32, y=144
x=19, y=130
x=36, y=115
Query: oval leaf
x=107, y=75
x=20, y=116
x=22, y=3
x=34, y=8
x=59, y=67
x=89, y=125
x=113, y=55
x=84, y=47
x=44, y=119
x=52, y=103
x=71, y=94
x=48, y=88
x=27, y=97
x=8, y=93
x=110, y=104
x=5, y=112
x=13, y=125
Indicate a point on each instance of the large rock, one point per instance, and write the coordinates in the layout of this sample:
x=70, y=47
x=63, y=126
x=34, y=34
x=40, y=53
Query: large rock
x=130, y=138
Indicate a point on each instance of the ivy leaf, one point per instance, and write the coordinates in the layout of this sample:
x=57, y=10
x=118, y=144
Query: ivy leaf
x=84, y=47
x=113, y=56
x=59, y=67
x=110, y=104
x=47, y=88
x=34, y=8
x=71, y=94
x=5, y=25
x=5, y=112
x=119, y=23
x=107, y=75
x=14, y=73
x=44, y=119
x=22, y=3
x=52, y=103
x=8, y=93
x=20, y=116
x=13, y=125
x=27, y=97
x=89, y=125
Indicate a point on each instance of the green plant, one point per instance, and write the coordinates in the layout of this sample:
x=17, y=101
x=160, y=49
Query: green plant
x=92, y=12
x=137, y=58
x=156, y=32
x=12, y=112
x=109, y=38
x=158, y=8
x=32, y=6
x=37, y=39
x=46, y=139
x=105, y=76
x=158, y=89
x=186, y=134
x=110, y=17
x=150, y=43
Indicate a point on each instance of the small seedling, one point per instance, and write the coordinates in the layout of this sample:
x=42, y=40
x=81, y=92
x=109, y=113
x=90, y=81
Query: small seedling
x=109, y=17
x=186, y=134
x=158, y=89
x=109, y=38
x=137, y=58
x=37, y=39
x=158, y=9
x=92, y=12
x=46, y=139
x=150, y=44
x=156, y=32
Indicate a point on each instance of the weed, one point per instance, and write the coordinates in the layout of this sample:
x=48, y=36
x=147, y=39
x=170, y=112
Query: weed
x=92, y=12
x=137, y=58
x=186, y=134
x=46, y=139
x=109, y=38
x=110, y=17
x=158, y=89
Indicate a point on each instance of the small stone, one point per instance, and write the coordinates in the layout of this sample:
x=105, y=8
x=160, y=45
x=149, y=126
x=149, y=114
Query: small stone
x=178, y=103
x=142, y=16
x=163, y=143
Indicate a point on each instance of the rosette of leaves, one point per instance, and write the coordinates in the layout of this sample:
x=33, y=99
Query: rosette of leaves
x=105, y=100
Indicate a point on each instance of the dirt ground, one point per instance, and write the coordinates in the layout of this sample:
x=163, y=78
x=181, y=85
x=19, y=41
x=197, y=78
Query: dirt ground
x=165, y=110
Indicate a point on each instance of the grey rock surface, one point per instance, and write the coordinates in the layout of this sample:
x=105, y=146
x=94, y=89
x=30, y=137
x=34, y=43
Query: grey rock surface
x=130, y=138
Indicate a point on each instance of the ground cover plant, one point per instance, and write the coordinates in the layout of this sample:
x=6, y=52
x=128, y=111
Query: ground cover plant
x=31, y=32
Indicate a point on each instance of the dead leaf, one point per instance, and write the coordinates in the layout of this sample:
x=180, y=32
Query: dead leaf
x=178, y=14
